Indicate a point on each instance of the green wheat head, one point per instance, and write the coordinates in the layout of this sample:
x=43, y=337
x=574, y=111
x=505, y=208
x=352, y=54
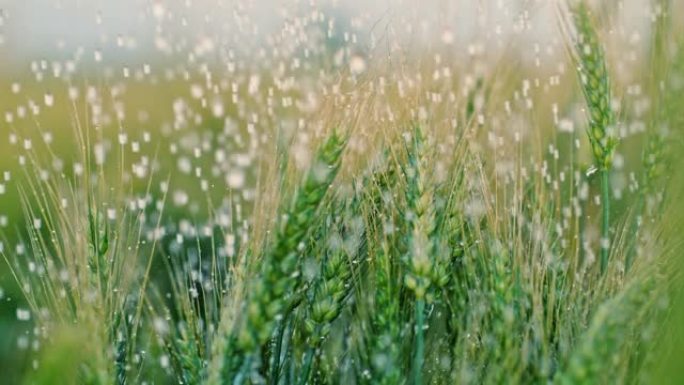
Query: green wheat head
x=595, y=84
x=419, y=197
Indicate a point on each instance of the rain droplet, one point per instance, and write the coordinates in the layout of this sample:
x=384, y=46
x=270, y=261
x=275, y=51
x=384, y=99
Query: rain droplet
x=592, y=170
x=357, y=65
x=447, y=37
x=49, y=99
x=23, y=314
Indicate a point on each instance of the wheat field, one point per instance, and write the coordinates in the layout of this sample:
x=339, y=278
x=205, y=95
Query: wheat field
x=322, y=192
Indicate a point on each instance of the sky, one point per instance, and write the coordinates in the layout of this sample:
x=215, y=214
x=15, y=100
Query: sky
x=125, y=29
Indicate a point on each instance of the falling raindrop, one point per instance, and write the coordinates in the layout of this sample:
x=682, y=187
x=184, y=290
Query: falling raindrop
x=357, y=65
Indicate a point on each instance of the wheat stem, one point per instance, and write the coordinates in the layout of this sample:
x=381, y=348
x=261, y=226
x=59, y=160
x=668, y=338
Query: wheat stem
x=605, y=219
x=419, y=357
x=306, y=368
x=277, y=348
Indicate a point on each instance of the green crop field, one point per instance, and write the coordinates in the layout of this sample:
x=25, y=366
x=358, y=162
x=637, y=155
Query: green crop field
x=325, y=192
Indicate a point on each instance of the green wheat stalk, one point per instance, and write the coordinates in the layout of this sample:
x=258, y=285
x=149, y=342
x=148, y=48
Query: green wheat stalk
x=271, y=290
x=421, y=264
x=328, y=301
x=600, y=345
x=595, y=84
